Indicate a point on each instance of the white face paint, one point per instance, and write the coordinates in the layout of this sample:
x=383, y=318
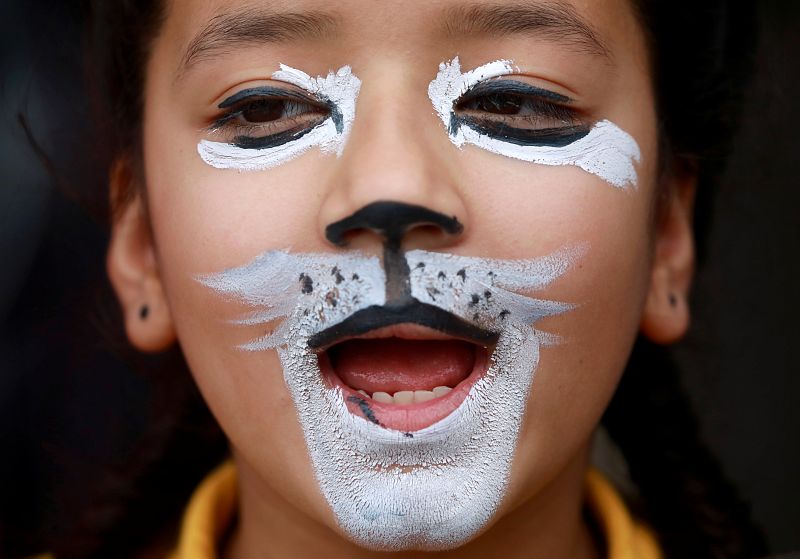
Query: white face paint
x=606, y=151
x=339, y=90
x=437, y=487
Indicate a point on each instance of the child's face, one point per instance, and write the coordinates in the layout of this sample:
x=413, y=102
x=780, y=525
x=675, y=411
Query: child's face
x=212, y=210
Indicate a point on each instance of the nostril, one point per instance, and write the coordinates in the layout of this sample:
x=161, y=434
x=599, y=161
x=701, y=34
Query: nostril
x=395, y=222
x=425, y=237
x=392, y=221
x=354, y=239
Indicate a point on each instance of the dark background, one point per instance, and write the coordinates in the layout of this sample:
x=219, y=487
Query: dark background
x=67, y=403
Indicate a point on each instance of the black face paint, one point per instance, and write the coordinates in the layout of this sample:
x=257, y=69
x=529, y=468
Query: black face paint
x=255, y=94
x=392, y=220
x=306, y=284
x=433, y=292
x=409, y=312
x=511, y=87
x=271, y=141
x=365, y=408
x=542, y=137
x=335, y=115
x=331, y=298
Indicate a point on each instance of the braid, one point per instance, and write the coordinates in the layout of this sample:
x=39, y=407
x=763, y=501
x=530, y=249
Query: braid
x=694, y=509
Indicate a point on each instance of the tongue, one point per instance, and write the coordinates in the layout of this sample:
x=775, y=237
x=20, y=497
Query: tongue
x=393, y=364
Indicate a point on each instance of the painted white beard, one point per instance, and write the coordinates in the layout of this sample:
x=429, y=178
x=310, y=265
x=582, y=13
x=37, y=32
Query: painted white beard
x=438, y=487
x=434, y=491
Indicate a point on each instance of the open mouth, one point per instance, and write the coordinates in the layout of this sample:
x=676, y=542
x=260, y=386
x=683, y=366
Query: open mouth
x=404, y=377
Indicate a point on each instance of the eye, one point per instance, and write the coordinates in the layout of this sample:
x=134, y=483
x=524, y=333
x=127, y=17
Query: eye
x=495, y=103
x=265, y=111
x=259, y=111
x=268, y=116
x=520, y=113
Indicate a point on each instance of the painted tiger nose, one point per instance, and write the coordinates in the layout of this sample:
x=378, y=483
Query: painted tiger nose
x=392, y=221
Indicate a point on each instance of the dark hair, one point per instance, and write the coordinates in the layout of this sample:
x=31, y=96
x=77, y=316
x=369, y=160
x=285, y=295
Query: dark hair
x=701, y=55
x=700, y=75
x=137, y=506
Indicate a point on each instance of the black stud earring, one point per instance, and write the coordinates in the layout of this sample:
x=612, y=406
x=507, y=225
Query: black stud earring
x=673, y=300
x=144, y=310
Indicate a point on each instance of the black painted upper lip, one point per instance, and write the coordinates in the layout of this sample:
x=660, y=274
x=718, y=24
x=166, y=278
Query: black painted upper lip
x=409, y=311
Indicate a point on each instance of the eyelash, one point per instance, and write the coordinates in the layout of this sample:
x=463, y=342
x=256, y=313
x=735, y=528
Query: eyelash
x=542, y=104
x=288, y=113
x=518, y=113
x=481, y=107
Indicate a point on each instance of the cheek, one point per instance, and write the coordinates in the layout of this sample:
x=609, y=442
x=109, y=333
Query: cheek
x=206, y=220
x=534, y=210
x=576, y=379
x=246, y=392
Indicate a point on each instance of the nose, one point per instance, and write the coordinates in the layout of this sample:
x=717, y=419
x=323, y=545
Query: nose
x=392, y=221
x=398, y=179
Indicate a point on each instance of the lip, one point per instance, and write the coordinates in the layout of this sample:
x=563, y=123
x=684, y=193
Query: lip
x=406, y=418
x=409, y=312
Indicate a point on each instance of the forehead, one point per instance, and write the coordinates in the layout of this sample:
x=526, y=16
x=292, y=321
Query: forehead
x=199, y=31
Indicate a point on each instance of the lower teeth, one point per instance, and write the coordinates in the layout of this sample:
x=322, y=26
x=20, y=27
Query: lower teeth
x=405, y=397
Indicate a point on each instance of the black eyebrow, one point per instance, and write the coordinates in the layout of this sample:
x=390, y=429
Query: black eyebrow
x=554, y=20
x=254, y=26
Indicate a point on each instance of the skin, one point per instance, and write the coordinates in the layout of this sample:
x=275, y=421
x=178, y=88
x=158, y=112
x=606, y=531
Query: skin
x=196, y=219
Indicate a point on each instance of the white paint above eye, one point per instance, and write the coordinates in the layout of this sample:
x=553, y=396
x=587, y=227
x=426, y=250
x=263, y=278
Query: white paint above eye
x=340, y=88
x=606, y=151
x=450, y=83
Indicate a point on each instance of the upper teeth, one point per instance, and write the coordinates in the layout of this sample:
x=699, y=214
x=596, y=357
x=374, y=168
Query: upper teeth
x=408, y=396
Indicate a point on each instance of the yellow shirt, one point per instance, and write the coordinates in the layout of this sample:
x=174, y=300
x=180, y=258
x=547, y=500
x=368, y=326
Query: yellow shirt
x=213, y=506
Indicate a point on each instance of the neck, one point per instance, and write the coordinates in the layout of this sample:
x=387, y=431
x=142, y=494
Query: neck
x=549, y=523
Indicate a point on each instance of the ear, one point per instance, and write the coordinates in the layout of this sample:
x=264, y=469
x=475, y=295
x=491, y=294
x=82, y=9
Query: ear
x=132, y=267
x=666, y=313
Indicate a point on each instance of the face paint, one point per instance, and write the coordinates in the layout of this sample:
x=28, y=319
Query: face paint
x=605, y=150
x=436, y=487
x=312, y=292
x=337, y=92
